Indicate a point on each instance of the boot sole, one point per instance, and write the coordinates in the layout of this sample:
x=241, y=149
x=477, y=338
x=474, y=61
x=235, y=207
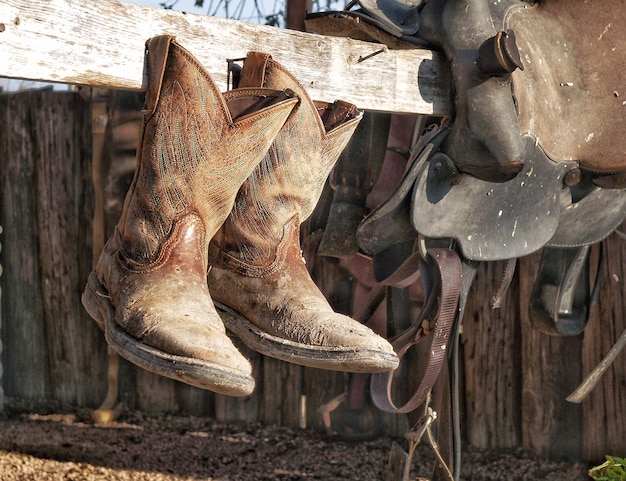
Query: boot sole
x=202, y=374
x=359, y=360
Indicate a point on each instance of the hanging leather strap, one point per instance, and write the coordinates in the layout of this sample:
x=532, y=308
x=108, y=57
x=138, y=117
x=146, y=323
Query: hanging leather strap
x=110, y=409
x=256, y=75
x=157, y=49
x=435, y=320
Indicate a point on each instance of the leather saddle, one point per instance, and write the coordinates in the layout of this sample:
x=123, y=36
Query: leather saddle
x=556, y=70
x=543, y=68
x=533, y=157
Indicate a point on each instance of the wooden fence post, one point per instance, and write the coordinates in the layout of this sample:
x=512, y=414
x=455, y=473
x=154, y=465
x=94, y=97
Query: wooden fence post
x=492, y=366
x=604, y=410
x=50, y=344
x=550, y=372
x=1, y=390
x=23, y=330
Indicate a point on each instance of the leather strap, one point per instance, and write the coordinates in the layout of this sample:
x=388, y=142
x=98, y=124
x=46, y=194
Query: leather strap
x=352, y=179
x=157, y=49
x=110, y=409
x=436, y=319
x=255, y=76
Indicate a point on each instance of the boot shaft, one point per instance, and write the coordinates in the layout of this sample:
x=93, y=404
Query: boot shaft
x=286, y=186
x=197, y=147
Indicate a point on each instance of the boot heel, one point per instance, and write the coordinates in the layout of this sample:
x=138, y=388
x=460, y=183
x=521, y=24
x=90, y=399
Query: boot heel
x=96, y=301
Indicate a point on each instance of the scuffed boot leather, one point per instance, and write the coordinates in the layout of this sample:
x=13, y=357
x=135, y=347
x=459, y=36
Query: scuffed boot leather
x=148, y=291
x=484, y=140
x=257, y=277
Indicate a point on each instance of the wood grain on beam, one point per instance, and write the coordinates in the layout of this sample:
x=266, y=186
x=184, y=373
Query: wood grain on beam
x=101, y=43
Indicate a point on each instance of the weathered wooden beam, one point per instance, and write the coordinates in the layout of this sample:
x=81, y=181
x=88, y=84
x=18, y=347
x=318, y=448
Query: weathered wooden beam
x=101, y=43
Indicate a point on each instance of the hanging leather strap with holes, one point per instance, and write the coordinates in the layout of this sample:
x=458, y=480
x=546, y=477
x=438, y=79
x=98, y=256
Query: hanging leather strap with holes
x=435, y=321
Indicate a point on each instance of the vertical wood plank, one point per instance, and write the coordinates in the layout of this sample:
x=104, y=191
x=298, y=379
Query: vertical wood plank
x=320, y=386
x=23, y=327
x=46, y=203
x=271, y=387
x=246, y=408
x=236, y=408
x=194, y=401
x=1, y=388
x=155, y=394
x=127, y=384
x=292, y=379
x=491, y=347
x=550, y=370
x=63, y=222
x=282, y=387
x=604, y=410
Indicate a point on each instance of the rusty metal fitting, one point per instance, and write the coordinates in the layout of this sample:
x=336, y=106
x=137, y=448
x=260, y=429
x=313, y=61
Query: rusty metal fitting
x=499, y=54
x=572, y=177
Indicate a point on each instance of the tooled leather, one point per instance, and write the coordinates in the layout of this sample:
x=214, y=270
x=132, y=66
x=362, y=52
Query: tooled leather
x=191, y=162
x=194, y=157
x=222, y=258
x=289, y=180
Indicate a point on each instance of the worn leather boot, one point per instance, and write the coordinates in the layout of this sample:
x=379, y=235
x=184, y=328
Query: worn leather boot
x=148, y=291
x=258, y=277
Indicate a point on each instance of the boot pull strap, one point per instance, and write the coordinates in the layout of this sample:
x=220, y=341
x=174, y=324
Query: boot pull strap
x=338, y=113
x=157, y=49
x=253, y=72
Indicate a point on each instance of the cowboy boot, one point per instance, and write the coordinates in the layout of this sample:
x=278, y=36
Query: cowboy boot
x=258, y=278
x=148, y=291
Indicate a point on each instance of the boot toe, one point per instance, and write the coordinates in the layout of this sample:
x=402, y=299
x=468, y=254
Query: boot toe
x=197, y=356
x=337, y=333
x=184, y=340
x=199, y=342
x=331, y=341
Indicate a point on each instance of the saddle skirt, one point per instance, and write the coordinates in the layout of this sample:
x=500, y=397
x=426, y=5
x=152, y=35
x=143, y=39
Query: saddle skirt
x=490, y=221
x=571, y=95
x=498, y=221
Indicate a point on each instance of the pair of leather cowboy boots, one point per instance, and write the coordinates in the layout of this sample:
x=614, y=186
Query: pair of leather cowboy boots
x=212, y=218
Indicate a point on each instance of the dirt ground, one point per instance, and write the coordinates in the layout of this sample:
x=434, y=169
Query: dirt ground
x=66, y=446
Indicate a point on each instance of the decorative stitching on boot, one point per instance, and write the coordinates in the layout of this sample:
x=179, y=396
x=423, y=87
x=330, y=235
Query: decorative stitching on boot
x=226, y=261
x=164, y=252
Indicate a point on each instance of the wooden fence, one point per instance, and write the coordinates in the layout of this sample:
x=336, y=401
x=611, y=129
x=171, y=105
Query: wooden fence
x=101, y=44
x=515, y=379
